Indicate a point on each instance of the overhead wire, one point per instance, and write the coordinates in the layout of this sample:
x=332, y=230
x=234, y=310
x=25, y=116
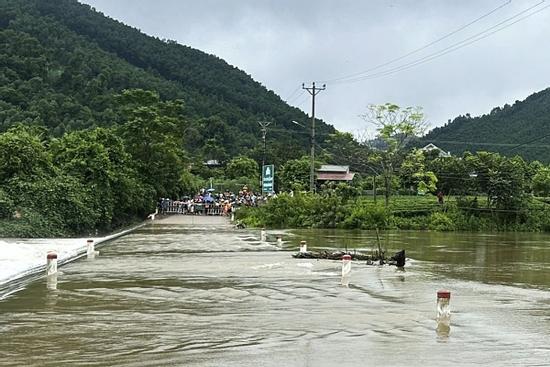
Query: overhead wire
x=456, y=46
x=389, y=62
x=292, y=94
x=529, y=142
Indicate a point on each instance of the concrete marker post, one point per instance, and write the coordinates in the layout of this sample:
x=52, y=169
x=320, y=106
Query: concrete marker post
x=90, y=249
x=51, y=263
x=263, y=235
x=443, y=317
x=346, y=270
x=51, y=282
x=303, y=247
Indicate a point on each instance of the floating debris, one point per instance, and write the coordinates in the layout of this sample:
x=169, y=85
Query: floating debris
x=398, y=259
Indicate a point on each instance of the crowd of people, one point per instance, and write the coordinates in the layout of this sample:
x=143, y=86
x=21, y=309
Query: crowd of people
x=207, y=202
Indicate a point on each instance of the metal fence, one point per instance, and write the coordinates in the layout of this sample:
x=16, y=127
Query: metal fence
x=193, y=209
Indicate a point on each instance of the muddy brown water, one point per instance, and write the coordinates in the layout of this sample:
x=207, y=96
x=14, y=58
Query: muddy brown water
x=209, y=295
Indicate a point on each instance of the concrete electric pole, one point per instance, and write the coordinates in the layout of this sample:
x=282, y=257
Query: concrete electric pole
x=263, y=128
x=313, y=90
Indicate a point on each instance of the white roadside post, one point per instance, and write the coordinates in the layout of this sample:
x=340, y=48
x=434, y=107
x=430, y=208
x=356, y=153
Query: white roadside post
x=51, y=263
x=90, y=249
x=346, y=269
x=263, y=235
x=303, y=247
x=443, y=317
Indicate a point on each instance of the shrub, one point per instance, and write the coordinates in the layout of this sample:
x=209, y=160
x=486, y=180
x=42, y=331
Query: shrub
x=6, y=205
x=440, y=222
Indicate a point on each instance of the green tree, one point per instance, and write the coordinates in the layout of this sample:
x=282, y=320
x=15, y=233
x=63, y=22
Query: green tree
x=541, y=182
x=294, y=175
x=342, y=148
x=242, y=167
x=453, y=175
x=23, y=155
x=396, y=126
x=413, y=174
x=149, y=135
x=98, y=159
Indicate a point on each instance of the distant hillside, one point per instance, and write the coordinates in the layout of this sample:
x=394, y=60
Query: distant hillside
x=521, y=129
x=61, y=62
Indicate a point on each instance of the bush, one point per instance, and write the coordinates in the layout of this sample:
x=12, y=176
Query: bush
x=440, y=222
x=411, y=223
x=6, y=205
x=368, y=217
x=62, y=201
x=30, y=225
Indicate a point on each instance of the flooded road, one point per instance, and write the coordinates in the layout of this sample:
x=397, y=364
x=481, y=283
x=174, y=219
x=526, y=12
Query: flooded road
x=200, y=296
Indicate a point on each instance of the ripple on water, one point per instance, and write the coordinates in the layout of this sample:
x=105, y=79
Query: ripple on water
x=164, y=299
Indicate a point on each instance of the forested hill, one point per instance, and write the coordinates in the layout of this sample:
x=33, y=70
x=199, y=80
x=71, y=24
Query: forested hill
x=521, y=129
x=62, y=62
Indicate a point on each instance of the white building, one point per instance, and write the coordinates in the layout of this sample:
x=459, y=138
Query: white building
x=430, y=147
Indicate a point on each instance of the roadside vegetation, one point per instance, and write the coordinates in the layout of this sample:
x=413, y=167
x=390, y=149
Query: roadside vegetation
x=98, y=121
x=404, y=212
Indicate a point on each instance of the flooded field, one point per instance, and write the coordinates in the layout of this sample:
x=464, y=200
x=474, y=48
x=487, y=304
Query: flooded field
x=214, y=296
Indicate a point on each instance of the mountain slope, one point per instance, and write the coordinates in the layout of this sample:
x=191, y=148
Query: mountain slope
x=62, y=62
x=521, y=129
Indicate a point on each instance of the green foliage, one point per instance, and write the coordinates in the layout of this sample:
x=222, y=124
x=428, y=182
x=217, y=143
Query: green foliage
x=61, y=200
x=148, y=132
x=63, y=63
x=237, y=184
x=342, y=148
x=413, y=173
x=294, y=175
x=404, y=212
x=368, y=217
x=7, y=206
x=440, y=222
x=189, y=183
x=23, y=155
x=32, y=224
x=242, y=167
x=396, y=126
x=343, y=190
x=500, y=130
x=541, y=182
x=300, y=210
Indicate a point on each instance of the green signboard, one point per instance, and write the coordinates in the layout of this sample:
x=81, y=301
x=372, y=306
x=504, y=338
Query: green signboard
x=268, y=178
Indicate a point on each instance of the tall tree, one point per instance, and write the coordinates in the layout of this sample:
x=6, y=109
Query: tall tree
x=396, y=126
x=149, y=132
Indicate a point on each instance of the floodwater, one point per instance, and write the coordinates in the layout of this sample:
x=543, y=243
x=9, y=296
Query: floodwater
x=176, y=295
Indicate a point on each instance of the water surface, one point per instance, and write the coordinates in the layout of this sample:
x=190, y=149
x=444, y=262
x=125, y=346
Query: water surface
x=177, y=295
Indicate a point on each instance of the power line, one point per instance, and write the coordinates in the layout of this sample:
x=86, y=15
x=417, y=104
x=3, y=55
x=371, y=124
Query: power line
x=289, y=98
x=456, y=46
x=303, y=100
x=423, y=47
x=528, y=142
x=512, y=145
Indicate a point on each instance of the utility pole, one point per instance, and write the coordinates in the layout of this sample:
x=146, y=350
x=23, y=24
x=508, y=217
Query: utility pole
x=263, y=128
x=313, y=90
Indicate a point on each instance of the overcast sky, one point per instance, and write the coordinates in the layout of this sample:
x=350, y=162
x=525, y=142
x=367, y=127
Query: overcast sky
x=283, y=43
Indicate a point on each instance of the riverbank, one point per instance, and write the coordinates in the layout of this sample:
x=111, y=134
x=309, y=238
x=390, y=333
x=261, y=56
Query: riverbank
x=22, y=259
x=470, y=214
